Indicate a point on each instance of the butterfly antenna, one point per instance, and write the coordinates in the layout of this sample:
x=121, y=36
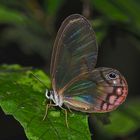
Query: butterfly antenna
x=39, y=80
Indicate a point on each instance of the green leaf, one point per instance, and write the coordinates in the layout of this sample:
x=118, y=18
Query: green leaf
x=52, y=6
x=22, y=96
x=11, y=16
x=110, y=10
x=131, y=8
x=100, y=29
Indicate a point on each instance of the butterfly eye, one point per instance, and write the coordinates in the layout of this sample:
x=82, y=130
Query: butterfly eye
x=112, y=75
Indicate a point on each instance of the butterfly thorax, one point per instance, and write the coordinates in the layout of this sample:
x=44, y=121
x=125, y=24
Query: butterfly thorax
x=52, y=95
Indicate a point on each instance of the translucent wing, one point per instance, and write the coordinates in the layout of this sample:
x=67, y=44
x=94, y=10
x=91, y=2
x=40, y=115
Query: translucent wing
x=74, y=52
x=101, y=90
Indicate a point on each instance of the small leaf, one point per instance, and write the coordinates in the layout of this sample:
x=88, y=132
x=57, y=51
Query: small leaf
x=22, y=96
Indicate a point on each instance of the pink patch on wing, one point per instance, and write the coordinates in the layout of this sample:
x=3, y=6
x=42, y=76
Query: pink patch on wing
x=119, y=91
x=110, y=107
x=112, y=99
x=104, y=106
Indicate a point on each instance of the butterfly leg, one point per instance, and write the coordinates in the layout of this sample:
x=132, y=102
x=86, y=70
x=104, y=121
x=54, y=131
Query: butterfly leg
x=69, y=110
x=47, y=107
x=46, y=112
x=66, y=116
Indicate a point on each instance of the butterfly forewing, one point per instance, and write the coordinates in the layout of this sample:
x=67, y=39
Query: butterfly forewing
x=75, y=51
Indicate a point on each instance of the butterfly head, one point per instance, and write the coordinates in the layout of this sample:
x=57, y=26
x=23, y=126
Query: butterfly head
x=52, y=95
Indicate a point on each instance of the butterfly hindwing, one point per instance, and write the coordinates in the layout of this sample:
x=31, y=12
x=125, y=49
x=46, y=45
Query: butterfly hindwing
x=94, y=92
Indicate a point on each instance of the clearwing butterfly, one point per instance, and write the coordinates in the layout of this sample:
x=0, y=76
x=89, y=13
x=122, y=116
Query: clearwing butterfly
x=76, y=83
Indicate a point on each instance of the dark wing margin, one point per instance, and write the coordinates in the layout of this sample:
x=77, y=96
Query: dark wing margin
x=74, y=52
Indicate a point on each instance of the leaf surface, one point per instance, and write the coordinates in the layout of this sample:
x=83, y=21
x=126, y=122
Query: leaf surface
x=22, y=96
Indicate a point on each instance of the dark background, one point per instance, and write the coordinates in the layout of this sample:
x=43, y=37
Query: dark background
x=27, y=32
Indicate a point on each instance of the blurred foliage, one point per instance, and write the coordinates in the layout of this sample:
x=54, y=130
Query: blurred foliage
x=31, y=24
x=121, y=14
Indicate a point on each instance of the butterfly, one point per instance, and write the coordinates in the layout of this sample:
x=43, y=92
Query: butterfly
x=76, y=83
